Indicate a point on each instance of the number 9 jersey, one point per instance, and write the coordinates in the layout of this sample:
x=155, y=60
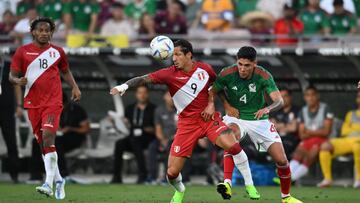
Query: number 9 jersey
x=41, y=68
x=189, y=90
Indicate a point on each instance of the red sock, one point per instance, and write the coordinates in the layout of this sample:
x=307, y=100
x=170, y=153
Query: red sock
x=285, y=178
x=228, y=165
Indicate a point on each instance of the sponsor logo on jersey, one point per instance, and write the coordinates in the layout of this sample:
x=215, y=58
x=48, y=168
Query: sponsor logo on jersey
x=252, y=87
x=201, y=75
x=234, y=88
x=176, y=149
x=31, y=53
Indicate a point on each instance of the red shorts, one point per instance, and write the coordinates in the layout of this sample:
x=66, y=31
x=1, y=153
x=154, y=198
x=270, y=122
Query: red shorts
x=191, y=129
x=313, y=142
x=47, y=117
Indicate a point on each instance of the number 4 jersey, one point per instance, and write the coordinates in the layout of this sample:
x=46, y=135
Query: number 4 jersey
x=41, y=67
x=248, y=96
x=189, y=90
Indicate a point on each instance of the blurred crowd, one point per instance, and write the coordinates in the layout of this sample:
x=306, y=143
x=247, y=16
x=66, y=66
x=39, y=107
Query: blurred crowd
x=279, y=21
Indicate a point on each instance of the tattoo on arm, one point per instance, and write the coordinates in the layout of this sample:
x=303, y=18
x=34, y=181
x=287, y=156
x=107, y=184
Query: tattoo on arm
x=276, y=105
x=140, y=80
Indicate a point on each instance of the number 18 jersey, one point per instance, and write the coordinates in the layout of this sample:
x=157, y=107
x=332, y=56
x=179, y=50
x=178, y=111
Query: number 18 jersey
x=189, y=90
x=41, y=67
x=246, y=95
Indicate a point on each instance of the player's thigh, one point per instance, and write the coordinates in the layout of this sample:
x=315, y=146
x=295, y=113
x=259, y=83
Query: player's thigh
x=35, y=120
x=342, y=146
x=50, y=119
x=185, y=140
x=263, y=132
x=236, y=125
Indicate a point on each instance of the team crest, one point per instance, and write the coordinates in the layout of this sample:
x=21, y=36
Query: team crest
x=252, y=87
x=52, y=54
x=176, y=149
x=201, y=75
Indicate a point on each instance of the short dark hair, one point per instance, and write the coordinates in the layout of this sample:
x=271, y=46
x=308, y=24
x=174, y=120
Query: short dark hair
x=247, y=52
x=286, y=90
x=311, y=87
x=338, y=2
x=118, y=5
x=42, y=19
x=184, y=45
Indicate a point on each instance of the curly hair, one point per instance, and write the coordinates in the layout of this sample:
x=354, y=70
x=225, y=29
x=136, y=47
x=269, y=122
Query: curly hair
x=42, y=19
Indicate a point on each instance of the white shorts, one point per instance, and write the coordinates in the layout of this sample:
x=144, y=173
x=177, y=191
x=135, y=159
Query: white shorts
x=261, y=132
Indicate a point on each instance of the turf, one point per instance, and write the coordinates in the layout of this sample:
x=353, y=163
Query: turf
x=197, y=194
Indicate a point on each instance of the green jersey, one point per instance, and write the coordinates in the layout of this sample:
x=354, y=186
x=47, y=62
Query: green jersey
x=135, y=11
x=314, y=22
x=51, y=9
x=341, y=24
x=81, y=13
x=246, y=95
x=22, y=8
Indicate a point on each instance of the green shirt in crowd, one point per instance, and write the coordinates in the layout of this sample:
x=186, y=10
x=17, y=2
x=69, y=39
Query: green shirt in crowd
x=51, y=8
x=342, y=24
x=244, y=6
x=247, y=96
x=135, y=11
x=81, y=14
x=314, y=22
x=22, y=8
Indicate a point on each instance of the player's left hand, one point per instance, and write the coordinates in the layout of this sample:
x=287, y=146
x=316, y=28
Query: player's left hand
x=209, y=112
x=261, y=112
x=75, y=94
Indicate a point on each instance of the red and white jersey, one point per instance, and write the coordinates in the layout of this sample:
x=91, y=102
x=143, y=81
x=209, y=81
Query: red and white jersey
x=189, y=90
x=41, y=68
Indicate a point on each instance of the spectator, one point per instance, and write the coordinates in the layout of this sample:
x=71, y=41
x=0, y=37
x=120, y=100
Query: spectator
x=288, y=27
x=244, y=6
x=147, y=26
x=315, y=19
x=342, y=22
x=217, y=15
x=172, y=20
x=22, y=8
x=8, y=23
x=350, y=133
x=118, y=24
x=140, y=116
x=299, y=5
x=328, y=6
x=315, y=127
x=10, y=102
x=21, y=30
x=165, y=129
x=81, y=16
x=74, y=127
x=286, y=124
x=135, y=9
x=259, y=24
x=105, y=12
x=51, y=8
x=274, y=7
x=193, y=13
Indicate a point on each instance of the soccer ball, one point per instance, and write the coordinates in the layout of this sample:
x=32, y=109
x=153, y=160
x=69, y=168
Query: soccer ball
x=161, y=47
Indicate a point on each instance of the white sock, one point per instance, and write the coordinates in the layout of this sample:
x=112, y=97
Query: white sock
x=300, y=172
x=50, y=161
x=177, y=183
x=228, y=181
x=57, y=174
x=242, y=164
x=294, y=165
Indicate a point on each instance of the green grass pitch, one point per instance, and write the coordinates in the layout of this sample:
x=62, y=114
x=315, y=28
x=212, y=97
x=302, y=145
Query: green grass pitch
x=10, y=193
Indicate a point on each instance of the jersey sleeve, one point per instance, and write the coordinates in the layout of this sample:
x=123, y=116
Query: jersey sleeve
x=219, y=83
x=160, y=76
x=63, y=64
x=270, y=85
x=16, y=62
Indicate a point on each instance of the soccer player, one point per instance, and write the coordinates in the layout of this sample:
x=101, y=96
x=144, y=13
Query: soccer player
x=188, y=82
x=37, y=66
x=245, y=84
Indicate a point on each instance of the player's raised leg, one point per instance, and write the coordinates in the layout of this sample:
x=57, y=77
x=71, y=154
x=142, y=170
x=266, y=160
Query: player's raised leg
x=173, y=175
x=232, y=148
x=277, y=152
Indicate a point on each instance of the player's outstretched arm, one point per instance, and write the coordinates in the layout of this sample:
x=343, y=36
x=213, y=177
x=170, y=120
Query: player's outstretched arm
x=69, y=78
x=277, y=104
x=134, y=82
x=15, y=78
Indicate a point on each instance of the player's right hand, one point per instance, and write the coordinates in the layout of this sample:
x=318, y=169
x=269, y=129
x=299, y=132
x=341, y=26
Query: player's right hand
x=231, y=111
x=21, y=81
x=119, y=89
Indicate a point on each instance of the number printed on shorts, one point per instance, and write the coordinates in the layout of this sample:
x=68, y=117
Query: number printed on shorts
x=243, y=98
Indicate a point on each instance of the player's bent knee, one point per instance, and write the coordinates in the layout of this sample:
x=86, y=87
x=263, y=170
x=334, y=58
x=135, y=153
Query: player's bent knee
x=282, y=162
x=172, y=173
x=236, y=130
x=326, y=146
x=235, y=149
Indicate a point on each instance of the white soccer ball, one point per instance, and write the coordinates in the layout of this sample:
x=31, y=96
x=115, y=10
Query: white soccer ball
x=161, y=47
